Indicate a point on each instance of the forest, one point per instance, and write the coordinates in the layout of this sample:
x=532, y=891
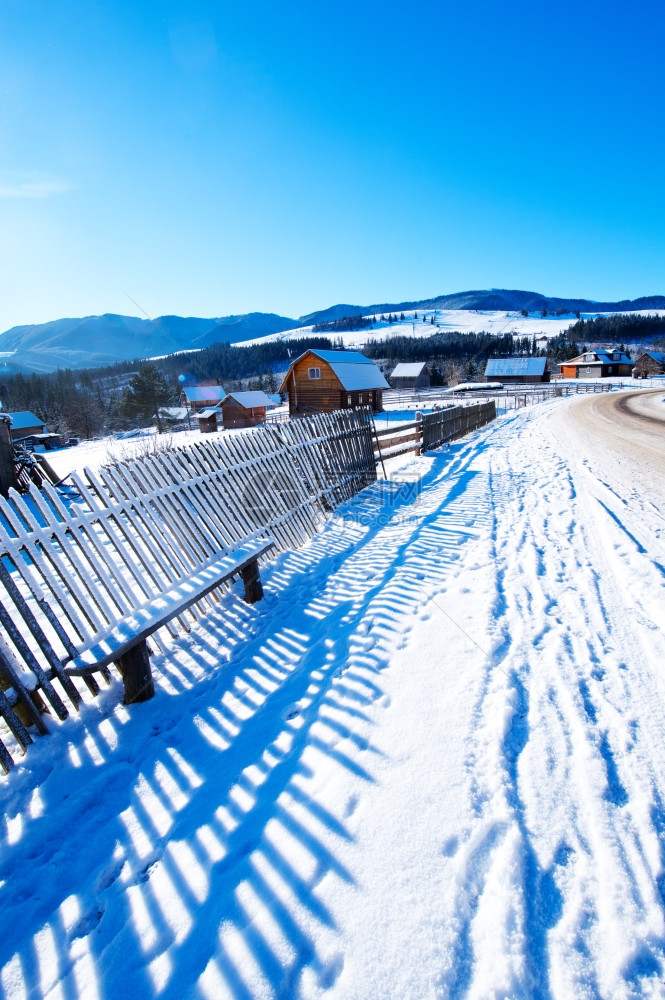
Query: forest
x=619, y=328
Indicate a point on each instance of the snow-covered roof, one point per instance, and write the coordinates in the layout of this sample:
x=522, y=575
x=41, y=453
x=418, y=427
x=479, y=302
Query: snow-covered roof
x=252, y=399
x=203, y=393
x=600, y=357
x=505, y=367
x=658, y=356
x=343, y=357
x=409, y=369
x=24, y=418
x=213, y=411
x=354, y=377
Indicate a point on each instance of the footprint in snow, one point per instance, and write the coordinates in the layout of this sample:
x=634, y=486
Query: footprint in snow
x=86, y=924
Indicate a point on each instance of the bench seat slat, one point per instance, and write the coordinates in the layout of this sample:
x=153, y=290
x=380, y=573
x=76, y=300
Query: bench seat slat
x=142, y=622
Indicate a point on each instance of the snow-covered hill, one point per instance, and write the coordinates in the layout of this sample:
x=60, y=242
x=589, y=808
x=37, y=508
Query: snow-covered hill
x=429, y=765
x=459, y=320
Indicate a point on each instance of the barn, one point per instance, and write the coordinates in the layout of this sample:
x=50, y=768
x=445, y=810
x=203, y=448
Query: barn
x=517, y=370
x=245, y=409
x=411, y=375
x=597, y=364
x=322, y=381
x=649, y=363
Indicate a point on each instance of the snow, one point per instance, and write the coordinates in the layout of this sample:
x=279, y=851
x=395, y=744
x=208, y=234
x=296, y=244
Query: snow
x=449, y=320
x=428, y=765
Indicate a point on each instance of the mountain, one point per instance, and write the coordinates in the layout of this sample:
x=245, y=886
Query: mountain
x=494, y=299
x=103, y=340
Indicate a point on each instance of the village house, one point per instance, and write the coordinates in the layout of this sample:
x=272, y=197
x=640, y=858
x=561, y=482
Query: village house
x=322, y=381
x=245, y=409
x=410, y=375
x=517, y=370
x=649, y=363
x=597, y=364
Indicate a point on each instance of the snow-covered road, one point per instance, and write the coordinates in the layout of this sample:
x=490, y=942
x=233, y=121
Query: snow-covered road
x=429, y=765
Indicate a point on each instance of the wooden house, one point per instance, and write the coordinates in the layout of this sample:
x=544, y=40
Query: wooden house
x=649, y=363
x=201, y=397
x=24, y=424
x=322, y=381
x=510, y=371
x=245, y=409
x=410, y=376
x=597, y=364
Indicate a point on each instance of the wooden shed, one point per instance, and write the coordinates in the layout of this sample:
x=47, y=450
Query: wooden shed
x=649, y=363
x=245, y=409
x=511, y=371
x=597, y=364
x=208, y=419
x=410, y=375
x=322, y=381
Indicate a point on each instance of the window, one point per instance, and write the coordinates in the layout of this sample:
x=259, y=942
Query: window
x=610, y=369
x=315, y=373
x=348, y=401
x=360, y=399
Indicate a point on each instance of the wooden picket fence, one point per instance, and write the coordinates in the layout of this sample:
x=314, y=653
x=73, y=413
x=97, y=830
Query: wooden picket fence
x=431, y=430
x=68, y=570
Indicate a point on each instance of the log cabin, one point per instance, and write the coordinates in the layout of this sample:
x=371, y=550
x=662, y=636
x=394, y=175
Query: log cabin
x=322, y=381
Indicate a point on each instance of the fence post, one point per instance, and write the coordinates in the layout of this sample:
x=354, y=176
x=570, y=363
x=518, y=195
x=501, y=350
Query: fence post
x=419, y=430
x=7, y=472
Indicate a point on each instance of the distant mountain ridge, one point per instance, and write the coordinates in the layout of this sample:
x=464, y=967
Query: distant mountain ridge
x=103, y=340
x=93, y=341
x=500, y=299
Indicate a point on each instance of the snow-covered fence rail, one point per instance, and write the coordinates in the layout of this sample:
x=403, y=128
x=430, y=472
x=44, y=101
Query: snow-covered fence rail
x=140, y=551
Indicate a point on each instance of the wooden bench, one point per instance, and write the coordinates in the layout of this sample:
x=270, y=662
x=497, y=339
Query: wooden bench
x=125, y=644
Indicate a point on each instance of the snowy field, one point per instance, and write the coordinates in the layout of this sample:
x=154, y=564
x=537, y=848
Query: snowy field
x=428, y=765
x=448, y=320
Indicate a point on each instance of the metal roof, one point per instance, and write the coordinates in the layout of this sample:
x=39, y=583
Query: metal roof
x=515, y=366
x=658, y=356
x=343, y=357
x=214, y=411
x=202, y=393
x=251, y=399
x=24, y=418
x=354, y=377
x=409, y=370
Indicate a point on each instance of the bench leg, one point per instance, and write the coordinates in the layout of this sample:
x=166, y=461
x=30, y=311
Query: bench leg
x=252, y=581
x=136, y=674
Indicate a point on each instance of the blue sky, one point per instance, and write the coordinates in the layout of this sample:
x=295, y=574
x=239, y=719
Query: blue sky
x=215, y=158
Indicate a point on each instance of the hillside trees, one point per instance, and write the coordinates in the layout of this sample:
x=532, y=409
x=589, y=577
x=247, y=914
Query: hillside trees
x=147, y=392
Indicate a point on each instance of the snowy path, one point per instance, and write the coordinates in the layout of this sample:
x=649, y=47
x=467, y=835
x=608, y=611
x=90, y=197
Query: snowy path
x=431, y=768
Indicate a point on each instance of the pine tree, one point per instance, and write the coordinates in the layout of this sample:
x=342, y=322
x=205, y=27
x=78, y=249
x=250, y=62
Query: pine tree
x=149, y=391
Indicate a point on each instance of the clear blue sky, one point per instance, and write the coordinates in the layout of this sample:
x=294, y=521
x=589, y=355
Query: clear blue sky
x=216, y=158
